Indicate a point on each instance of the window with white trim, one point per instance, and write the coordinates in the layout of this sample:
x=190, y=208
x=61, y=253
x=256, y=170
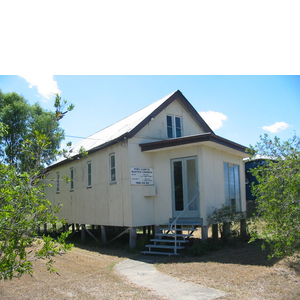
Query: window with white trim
x=57, y=183
x=112, y=168
x=71, y=179
x=232, y=186
x=89, y=174
x=174, y=126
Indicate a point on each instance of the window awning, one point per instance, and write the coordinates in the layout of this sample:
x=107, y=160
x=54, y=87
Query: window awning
x=209, y=139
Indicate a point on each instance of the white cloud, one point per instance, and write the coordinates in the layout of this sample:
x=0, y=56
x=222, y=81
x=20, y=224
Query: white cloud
x=45, y=84
x=278, y=126
x=213, y=118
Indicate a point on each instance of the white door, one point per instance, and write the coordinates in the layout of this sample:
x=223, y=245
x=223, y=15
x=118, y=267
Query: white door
x=185, y=187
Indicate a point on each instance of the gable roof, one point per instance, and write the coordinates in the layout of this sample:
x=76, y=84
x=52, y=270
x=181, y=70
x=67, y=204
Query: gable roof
x=129, y=126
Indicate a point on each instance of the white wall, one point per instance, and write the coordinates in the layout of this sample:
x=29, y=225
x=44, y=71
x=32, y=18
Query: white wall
x=123, y=204
x=157, y=129
x=157, y=210
x=103, y=203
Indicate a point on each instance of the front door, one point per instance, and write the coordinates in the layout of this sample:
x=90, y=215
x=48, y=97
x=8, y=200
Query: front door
x=185, y=187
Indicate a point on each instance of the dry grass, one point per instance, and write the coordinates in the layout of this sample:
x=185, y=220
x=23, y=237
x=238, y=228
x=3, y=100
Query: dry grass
x=244, y=273
x=84, y=275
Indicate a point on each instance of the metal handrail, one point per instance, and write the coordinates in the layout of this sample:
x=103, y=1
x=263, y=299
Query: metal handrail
x=176, y=219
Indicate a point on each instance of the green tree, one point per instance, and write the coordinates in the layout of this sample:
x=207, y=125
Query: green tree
x=23, y=120
x=23, y=206
x=278, y=193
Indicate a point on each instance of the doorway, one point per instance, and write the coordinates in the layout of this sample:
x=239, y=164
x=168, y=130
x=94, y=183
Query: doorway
x=185, y=187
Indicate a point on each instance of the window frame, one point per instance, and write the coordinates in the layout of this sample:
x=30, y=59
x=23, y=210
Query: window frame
x=173, y=131
x=112, y=167
x=175, y=126
x=89, y=174
x=71, y=179
x=232, y=186
x=170, y=132
x=57, y=183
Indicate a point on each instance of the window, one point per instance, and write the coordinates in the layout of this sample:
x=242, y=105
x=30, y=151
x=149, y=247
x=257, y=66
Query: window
x=57, y=183
x=232, y=186
x=174, y=126
x=71, y=179
x=89, y=174
x=112, y=167
x=170, y=127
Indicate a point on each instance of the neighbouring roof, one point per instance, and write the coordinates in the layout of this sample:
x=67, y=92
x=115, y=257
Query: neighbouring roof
x=129, y=126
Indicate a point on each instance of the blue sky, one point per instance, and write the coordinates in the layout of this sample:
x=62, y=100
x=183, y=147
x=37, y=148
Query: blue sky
x=239, y=108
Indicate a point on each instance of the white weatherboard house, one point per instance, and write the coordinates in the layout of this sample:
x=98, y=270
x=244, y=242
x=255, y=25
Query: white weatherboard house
x=158, y=164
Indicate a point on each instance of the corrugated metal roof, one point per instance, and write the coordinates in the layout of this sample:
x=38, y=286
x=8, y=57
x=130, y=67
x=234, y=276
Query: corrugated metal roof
x=116, y=130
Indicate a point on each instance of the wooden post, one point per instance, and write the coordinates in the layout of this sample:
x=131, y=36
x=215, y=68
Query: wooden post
x=215, y=232
x=77, y=227
x=149, y=231
x=204, y=232
x=82, y=232
x=66, y=227
x=39, y=231
x=73, y=227
x=45, y=229
x=103, y=235
x=54, y=233
x=226, y=230
x=132, y=237
x=88, y=231
x=243, y=228
x=144, y=230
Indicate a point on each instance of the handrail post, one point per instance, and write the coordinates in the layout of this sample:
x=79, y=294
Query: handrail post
x=175, y=250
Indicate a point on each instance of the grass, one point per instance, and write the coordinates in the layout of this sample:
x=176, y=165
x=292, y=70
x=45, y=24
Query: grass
x=242, y=270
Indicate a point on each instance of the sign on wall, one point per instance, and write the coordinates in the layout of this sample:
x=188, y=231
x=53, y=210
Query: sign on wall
x=141, y=176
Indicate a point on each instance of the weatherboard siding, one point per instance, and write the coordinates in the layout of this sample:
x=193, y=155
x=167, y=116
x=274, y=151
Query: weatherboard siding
x=129, y=203
x=157, y=128
x=158, y=209
x=103, y=203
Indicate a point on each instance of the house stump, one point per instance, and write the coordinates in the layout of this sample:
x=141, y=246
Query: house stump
x=82, y=232
x=103, y=235
x=132, y=237
x=226, y=230
x=204, y=232
x=243, y=228
x=215, y=232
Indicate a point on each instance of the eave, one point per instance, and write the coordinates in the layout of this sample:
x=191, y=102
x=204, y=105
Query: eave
x=209, y=139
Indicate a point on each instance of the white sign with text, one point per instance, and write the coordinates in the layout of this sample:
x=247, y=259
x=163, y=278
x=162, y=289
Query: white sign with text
x=141, y=176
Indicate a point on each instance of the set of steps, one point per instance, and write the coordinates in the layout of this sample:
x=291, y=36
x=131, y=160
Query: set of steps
x=168, y=241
